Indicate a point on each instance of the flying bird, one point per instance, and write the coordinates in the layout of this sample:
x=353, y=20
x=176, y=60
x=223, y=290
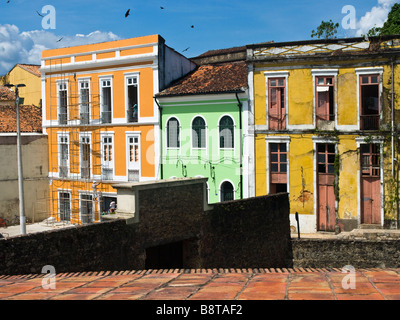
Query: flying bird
x=192, y=26
x=162, y=8
x=39, y=14
x=60, y=39
x=127, y=13
x=186, y=49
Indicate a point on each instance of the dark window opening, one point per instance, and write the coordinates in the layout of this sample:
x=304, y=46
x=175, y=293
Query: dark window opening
x=370, y=106
x=370, y=160
x=326, y=158
x=278, y=187
x=227, y=191
x=106, y=96
x=226, y=132
x=167, y=256
x=65, y=206
x=325, y=99
x=199, y=133
x=132, y=103
x=173, y=133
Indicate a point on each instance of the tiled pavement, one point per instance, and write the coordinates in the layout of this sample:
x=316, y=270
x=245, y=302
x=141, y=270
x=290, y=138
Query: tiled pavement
x=208, y=284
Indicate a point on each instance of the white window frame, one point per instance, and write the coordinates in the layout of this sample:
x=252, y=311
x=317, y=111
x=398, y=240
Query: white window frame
x=101, y=79
x=89, y=136
x=107, y=164
x=220, y=186
x=61, y=136
x=80, y=82
x=86, y=193
x=277, y=74
x=129, y=165
x=233, y=132
x=324, y=73
x=63, y=82
x=59, y=202
x=374, y=140
x=364, y=72
x=179, y=135
x=127, y=76
x=320, y=140
x=205, y=135
x=277, y=139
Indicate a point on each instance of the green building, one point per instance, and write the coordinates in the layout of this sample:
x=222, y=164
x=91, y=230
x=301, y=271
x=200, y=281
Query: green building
x=204, y=125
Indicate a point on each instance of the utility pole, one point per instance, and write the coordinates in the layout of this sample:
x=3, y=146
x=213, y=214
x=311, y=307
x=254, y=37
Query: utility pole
x=22, y=218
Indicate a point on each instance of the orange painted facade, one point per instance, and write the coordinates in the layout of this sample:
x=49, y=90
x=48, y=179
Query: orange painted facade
x=102, y=120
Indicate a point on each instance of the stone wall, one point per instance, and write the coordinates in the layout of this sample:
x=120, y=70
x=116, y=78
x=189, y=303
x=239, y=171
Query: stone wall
x=95, y=247
x=337, y=253
x=238, y=234
x=247, y=233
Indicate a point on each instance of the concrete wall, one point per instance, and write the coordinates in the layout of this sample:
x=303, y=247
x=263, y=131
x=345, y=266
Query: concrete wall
x=35, y=170
x=242, y=233
x=247, y=233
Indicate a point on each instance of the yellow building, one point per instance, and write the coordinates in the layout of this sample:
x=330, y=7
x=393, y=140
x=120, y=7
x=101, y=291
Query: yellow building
x=102, y=120
x=28, y=74
x=325, y=129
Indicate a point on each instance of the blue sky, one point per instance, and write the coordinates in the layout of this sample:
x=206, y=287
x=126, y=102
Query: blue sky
x=217, y=24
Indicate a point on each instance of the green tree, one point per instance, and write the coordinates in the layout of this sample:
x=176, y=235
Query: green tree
x=326, y=30
x=392, y=24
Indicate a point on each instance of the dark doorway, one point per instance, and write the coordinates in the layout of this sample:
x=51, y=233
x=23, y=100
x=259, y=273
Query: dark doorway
x=167, y=256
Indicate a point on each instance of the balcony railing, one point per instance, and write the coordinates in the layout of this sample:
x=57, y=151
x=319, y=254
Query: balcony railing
x=106, y=117
x=277, y=121
x=63, y=171
x=62, y=117
x=107, y=174
x=131, y=116
x=84, y=118
x=133, y=175
x=369, y=122
x=85, y=172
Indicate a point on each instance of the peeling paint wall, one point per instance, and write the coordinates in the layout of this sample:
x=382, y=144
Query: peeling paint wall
x=345, y=134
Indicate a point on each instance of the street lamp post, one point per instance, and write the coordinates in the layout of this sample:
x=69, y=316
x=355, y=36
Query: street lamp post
x=22, y=218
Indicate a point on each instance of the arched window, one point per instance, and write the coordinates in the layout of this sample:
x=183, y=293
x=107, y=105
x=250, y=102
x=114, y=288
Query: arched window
x=226, y=132
x=198, y=133
x=173, y=133
x=227, y=191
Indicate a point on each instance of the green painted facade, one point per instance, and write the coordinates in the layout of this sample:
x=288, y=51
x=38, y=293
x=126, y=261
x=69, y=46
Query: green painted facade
x=217, y=164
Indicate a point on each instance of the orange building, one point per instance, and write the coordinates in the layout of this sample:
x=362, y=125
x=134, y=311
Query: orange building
x=102, y=120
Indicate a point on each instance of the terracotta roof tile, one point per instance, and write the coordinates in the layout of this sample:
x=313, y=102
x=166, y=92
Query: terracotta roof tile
x=6, y=94
x=211, y=78
x=222, y=51
x=30, y=119
x=32, y=68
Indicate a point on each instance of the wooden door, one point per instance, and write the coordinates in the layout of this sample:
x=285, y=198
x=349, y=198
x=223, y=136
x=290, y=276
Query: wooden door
x=277, y=104
x=370, y=184
x=326, y=192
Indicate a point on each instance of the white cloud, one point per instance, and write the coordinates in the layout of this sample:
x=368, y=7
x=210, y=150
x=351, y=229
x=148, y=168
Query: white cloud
x=374, y=18
x=26, y=47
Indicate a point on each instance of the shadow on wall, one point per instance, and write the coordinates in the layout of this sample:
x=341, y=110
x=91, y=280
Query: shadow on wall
x=170, y=225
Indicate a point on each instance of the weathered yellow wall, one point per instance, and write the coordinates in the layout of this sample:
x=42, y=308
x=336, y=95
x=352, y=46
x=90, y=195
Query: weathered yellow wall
x=301, y=175
x=260, y=165
x=348, y=167
x=300, y=108
x=32, y=93
x=346, y=97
